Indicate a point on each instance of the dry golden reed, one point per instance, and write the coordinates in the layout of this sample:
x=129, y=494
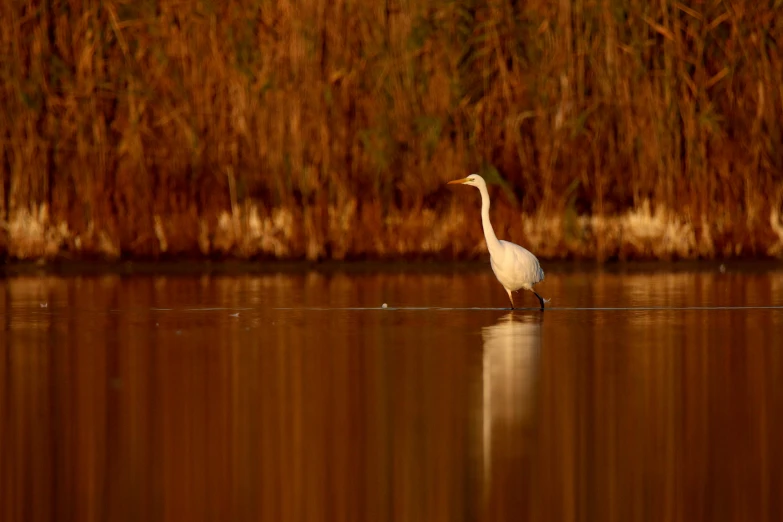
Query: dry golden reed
x=319, y=129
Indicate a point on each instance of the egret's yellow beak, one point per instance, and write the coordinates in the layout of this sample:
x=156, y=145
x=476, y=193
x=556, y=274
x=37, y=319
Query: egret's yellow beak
x=458, y=181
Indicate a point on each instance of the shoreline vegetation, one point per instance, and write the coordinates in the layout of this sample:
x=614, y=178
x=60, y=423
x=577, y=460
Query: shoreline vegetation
x=327, y=130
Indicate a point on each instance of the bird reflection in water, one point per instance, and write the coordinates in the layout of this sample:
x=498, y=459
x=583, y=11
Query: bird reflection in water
x=510, y=380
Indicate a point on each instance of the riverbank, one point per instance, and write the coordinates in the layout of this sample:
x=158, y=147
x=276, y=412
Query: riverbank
x=352, y=234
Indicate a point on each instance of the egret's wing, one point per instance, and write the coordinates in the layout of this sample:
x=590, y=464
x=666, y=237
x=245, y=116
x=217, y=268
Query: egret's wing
x=526, y=263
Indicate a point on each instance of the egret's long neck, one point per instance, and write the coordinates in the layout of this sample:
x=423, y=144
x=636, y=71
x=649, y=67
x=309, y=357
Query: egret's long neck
x=493, y=245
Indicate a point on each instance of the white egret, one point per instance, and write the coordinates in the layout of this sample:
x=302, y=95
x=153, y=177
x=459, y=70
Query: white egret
x=515, y=267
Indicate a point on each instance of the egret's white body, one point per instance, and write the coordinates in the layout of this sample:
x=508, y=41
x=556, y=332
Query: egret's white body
x=515, y=267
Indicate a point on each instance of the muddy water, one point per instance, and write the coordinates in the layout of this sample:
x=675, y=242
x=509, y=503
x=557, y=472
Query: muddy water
x=644, y=395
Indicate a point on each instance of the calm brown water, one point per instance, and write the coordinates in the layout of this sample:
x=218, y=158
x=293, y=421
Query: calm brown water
x=147, y=398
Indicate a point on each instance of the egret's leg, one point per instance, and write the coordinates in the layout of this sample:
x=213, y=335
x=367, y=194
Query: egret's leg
x=540, y=299
x=510, y=297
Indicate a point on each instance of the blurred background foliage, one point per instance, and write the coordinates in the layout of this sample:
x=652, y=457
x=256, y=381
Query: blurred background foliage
x=326, y=129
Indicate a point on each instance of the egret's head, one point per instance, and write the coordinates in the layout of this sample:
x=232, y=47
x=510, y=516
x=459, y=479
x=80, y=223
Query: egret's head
x=473, y=179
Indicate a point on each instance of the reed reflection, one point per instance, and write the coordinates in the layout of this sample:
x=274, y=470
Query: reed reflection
x=511, y=363
x=148, y=398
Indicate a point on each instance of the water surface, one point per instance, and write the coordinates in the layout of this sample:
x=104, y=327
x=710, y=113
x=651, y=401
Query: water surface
x=640, y=395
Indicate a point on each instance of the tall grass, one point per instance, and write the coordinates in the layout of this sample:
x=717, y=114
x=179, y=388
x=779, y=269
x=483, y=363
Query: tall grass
x=326, y=129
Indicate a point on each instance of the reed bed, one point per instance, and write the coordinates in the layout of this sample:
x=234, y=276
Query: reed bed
x=327, y=129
